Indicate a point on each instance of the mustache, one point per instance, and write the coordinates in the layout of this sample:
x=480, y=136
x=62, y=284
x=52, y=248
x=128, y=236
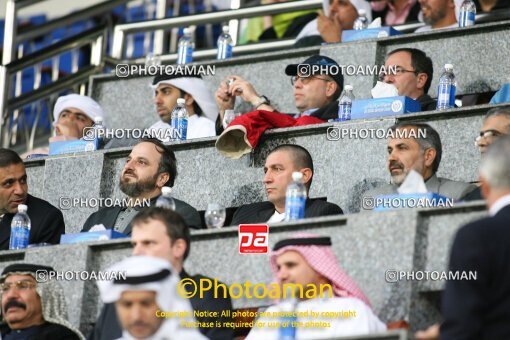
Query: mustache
x=14, y=303
x=396, y=164
x=129, y=172
x=138, y=323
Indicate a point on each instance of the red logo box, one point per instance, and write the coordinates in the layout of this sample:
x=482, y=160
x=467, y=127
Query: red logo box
x=253, y=238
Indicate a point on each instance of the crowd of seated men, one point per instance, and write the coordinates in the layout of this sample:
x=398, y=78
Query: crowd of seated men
x=161, y=237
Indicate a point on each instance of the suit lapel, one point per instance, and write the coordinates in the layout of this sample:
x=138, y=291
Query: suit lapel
x=433, y=184
x=5, y=231
x=265, y=214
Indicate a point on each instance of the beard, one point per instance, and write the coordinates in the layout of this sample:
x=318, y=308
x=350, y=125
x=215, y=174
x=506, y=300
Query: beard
x=434, y=16
x=400, y=178
x=135, y=189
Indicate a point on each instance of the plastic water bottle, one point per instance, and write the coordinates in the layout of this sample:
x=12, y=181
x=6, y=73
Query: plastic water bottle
x=295, y=198
x=165, y=200
x=185, y=50
x=288, y=320
x=99, y=131
x=152, y=59
x=345, y=103
x=20, y=229
x=467, y=13
x=225, y=44
x=361, y=22
x=446, y=89
x=180, y=119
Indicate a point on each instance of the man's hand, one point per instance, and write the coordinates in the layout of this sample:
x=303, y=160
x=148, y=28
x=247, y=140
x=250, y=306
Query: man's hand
x=68, y=129
x=431, y=333
x=242, y=88
x=329, y=28
x=224, y=100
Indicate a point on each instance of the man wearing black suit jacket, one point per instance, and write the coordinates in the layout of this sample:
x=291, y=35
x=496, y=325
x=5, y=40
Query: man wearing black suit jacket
x=280, y=164
x=47, y=222
x=162, y=233
x=150, y=166
x=480, y=309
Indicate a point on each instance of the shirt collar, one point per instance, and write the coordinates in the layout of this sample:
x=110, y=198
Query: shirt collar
x=308, y=112
x=499, y=204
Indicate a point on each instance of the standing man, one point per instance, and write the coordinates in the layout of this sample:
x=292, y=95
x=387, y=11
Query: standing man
x=47, y=221
x=280, y=164
x=150, y=166
x=480, y=309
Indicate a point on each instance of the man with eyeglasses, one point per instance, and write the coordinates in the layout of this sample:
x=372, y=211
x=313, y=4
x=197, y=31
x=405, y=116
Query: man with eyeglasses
x=495, y=124
x=314, y=94
x=32, y=309
x=413, y=75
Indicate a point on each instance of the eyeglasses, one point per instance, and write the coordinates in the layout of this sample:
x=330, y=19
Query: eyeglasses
x=487, y=134
x=19, y=285
x=305, y=80
x=398, y=71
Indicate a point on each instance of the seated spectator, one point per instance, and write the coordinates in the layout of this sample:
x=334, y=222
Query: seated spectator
x=396, y=12
x=150, y=166
x=71, y=115
x=413, y=76
x=308, y=259
x=200, y=104
x=32, y=309
x=278, y=26
x=162, y=233
x=315, y=95
x=422, y=154
x=495, y=124
x=438, y=14
x=339, y=15
x=480, y=308
x=47, y=221
x=280, y=164
x=150, y=286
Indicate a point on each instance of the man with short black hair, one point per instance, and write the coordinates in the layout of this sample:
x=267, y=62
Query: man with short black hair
x=314, y=94
x=150, y=166
x=421, y=152
x=162, y=233
x=31, y=309
x=281, y=162
x=438, y=14
x=413, y=75
x=47, y=221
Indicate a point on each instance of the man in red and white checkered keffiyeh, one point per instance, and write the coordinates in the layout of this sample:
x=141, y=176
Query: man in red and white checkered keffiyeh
x=317, y=252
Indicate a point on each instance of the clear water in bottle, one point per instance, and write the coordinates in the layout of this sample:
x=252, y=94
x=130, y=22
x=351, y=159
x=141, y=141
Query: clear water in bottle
x=180, y=120
x=99, y=131
x=345, y=103
x=225, y=44
x=361, y=22
x=165, y=200
x=20, y=229
x=185, y=49
x=295, y=198
x=446, y=89
x=467, y=13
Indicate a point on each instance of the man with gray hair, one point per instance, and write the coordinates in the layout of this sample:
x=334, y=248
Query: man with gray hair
x=495, y=124
x=33, y=309
x=480, y=309
x=420, y=150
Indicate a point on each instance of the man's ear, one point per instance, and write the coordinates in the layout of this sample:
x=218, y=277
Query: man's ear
x=188, y=99
x=179, y=248
x=162, y=179
x=331, y=88
x=307, y=175
x=421, y=80
x=429, y=156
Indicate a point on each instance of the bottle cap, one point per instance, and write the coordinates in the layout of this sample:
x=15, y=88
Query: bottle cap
x=297, y=176
x=230, y=112
x=22, y=208
x=98, y=120
x=225, y=29
x=348, y=87
x=448, y=66
x=186, y=31
x=166, y=191
x=181, y=101
x=362, y=12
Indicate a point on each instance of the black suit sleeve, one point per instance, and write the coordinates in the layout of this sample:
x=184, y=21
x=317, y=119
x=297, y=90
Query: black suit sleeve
x=90, y=222
x=465, y=302
x=189, y=214
x=238, y=215
x=51, y=228
x=107, y=326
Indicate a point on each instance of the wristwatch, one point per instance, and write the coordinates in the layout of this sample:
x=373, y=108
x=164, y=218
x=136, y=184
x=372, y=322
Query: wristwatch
x=261, y=101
